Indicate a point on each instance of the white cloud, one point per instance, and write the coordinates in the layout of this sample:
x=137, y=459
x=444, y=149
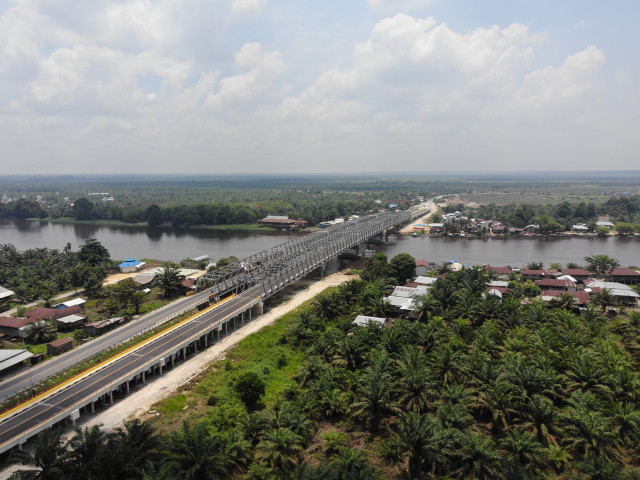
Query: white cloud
x=397, y=5
x=244, y=8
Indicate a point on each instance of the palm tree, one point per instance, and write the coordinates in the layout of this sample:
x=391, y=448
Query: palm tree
x=479, y=458
x=564, y=301
x=48, y=457
x=86, y=451
x=499, y=401
x=426, y=306
x=169, y=280
x=603, y=299
x=373, y=399
x=524, y=449
x=540, y=419
x=195, y=453
x=417, y=434
x=352, y=463
x=41, y=332
x=281, y=449
x=416, y=389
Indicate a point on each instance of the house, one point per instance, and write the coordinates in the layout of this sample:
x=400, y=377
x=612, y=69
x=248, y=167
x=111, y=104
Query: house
x=72, y=303
x=71, y=322
x=59, y=346
x=97, y=328
x=421, y=267
x=535, y=274
x=5, y=293
x=498, y=284
x=628, y=276
x=531, y=228
x=580, y=274
x=557, y=285
x=363, y=321
x=15, y=327
x=582, y=298
x=497, y=228
x=44, y=313
x=189, y=284
x=283, y=222
x=11, y=358
x=622, y=293
x=604, y=222
x=502, y=271
x=425, y=281
x=131, y=265
x=580, y=228
x=144, y=279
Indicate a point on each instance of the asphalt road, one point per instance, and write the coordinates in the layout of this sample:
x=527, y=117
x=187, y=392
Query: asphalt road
x=23, y=380
x=113, y=375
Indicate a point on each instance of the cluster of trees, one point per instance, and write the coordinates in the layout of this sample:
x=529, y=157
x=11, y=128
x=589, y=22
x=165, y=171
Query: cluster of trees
x=43, y=272
x=468, y=387
x=21, y=209
x=624, y=211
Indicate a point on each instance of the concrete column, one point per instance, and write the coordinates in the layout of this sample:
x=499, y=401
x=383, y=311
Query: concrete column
x=111, y=397
x=258, y=309
x=128, y=387
x=205, y=341
x=218, y=332
x=160, y=368
x=195, y=346
x=184, y=353
x=144, y=376
x=173, y=358
x=93, y=408
x=225, y=327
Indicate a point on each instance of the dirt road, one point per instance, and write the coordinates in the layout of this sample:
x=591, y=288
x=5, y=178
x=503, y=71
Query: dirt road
x=433, y=208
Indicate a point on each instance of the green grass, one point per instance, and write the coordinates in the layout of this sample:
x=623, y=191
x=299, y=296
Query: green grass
x=259, y=352
x=252, y=227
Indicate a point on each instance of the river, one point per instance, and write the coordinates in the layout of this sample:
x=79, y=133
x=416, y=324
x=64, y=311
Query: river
x=168, y=244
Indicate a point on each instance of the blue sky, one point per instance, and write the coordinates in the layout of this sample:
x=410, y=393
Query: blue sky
x=235, y=86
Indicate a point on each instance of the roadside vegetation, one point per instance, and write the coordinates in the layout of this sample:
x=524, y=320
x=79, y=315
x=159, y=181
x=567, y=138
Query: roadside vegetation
x=467, y=387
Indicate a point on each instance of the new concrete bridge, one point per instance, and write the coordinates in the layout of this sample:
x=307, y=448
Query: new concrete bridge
x=252, y=280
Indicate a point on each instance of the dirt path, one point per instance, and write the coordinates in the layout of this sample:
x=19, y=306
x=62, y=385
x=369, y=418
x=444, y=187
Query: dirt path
x=433, y=208
x=138, y=403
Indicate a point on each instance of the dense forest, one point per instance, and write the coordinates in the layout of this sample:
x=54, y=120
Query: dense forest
x=468, y=387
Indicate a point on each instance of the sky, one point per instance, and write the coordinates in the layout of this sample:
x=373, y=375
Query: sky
x=331, y=86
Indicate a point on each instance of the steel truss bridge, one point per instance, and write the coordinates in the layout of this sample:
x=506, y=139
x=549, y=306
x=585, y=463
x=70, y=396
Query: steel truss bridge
x=253, y=279
x=274, y=269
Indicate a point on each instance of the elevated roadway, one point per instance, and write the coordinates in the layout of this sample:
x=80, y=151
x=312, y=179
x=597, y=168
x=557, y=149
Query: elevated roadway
x=252, y=279
x=24, y=380
x=15, y=429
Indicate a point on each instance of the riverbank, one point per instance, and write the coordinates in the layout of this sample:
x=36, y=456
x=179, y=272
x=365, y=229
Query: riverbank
x=252, y=227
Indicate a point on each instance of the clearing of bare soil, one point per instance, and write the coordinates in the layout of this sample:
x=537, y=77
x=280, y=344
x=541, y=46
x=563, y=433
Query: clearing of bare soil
x=138, y=403
x=409, y=229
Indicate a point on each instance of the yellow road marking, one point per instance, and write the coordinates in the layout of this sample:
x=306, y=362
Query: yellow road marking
x=90, y=371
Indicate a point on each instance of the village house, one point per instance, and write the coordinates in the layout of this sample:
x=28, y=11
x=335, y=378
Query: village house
x=557, y=285
x=580, y=228
x=580, y=274
x=627, y=276
x=59, y=346
x=535, y=274
x=421, y=267
x=582, y=298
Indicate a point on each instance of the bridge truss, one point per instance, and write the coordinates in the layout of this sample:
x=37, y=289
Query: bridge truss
x=274, y=269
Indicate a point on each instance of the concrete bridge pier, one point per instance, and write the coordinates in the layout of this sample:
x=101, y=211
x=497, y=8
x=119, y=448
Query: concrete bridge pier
x=257, y=309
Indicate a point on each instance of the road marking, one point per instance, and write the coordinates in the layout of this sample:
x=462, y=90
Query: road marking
x=234, y=310
x=90, y=371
